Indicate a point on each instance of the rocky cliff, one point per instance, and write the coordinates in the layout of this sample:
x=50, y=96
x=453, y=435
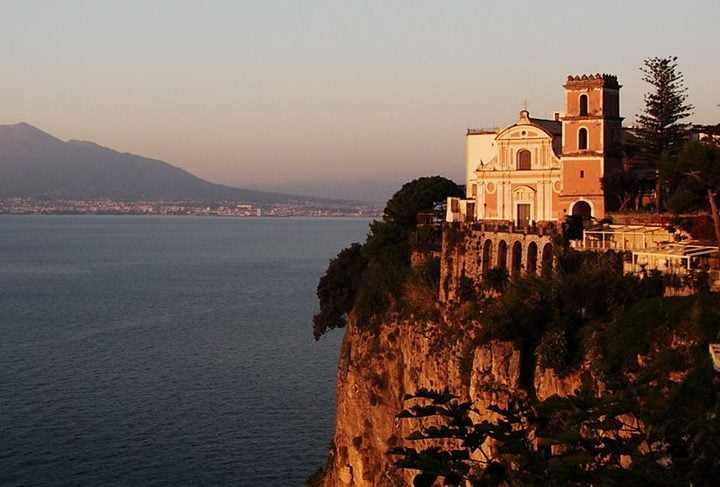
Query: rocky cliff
x=376, y=370
x=378, y=367
x=402, y=354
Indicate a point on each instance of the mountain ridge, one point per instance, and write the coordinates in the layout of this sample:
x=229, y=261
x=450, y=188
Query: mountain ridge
x=36, y=164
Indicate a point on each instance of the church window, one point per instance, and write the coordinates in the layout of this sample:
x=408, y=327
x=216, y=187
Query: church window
x=524, y=160
x=582, y=174
x=582, y=139
x=583, y=105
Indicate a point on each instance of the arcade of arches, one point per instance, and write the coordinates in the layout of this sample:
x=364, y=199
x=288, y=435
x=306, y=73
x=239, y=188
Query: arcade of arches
x=479, y=252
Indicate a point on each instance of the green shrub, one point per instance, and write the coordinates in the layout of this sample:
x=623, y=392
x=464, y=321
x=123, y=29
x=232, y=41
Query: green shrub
x=552, y=351
x=466, y=289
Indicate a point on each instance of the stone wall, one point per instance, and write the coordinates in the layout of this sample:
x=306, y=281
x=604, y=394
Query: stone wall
x=471, y=250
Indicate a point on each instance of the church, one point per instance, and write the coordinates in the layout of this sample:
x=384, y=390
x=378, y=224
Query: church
x=541, y=170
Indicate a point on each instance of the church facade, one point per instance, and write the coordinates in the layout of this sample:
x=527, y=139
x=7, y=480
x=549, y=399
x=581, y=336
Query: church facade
x=540, y=170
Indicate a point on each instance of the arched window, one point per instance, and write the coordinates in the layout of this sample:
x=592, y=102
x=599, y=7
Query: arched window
x=583, y=105
x=524, y=160
x=582, y=139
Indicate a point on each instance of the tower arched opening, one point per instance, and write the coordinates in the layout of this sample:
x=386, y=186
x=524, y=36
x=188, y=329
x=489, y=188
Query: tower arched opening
x=582, y=139
x=583, y=105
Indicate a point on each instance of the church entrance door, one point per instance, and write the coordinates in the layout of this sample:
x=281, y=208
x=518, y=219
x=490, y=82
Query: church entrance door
x=523, y=215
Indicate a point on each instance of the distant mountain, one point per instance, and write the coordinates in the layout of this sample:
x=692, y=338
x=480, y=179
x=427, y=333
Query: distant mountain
x=34, y=164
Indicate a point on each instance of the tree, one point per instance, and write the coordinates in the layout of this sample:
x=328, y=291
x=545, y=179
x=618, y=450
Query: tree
x=367, y=279
x=661, y=131
x=695, y=180
x=468, y=458
x=496, y=279
x=418, y=195
x=337, y=289
x=622, y=184
x=581, y=439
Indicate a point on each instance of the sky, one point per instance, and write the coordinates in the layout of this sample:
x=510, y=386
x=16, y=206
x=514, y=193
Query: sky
x=266, y=93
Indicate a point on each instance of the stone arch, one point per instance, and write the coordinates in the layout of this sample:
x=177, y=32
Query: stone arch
x=582, y=208
x=532, y=254
x=502, y=254
x=486, y=255
x=547, y=260
x=516, y=259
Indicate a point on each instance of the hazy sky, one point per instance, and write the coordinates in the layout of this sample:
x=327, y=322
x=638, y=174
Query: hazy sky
x=249, y=92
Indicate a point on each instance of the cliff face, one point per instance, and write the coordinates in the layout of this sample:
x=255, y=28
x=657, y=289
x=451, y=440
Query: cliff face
x=402, y=356
x=379, y=366
x=376, y=370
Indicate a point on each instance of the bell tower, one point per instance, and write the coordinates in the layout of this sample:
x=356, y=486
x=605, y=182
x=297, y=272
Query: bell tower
x=591, y=132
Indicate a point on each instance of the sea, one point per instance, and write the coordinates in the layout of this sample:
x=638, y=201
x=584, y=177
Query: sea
x=165, y=351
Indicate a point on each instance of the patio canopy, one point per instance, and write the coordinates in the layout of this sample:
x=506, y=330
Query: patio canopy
x=625, y=237
x=679, y=255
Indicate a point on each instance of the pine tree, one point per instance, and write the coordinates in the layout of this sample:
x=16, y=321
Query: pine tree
x=661, y=131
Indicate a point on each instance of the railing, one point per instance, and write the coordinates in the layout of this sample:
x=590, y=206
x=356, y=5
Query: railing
x=492, y=226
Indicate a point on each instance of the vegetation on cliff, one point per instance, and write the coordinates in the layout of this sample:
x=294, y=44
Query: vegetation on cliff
x=369, y=278
x=648, y=432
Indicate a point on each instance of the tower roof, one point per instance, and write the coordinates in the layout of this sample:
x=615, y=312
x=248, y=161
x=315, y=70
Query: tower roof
x=592, y=80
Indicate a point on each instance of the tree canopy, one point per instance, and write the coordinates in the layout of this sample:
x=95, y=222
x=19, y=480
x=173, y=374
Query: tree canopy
x=337, y=288
x=660, y=126
x=367, y=278
x=661, y=131
x=694, y=179
x=418, y=195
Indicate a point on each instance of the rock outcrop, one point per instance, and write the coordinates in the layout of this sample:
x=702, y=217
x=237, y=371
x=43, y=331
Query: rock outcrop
x=377, y=369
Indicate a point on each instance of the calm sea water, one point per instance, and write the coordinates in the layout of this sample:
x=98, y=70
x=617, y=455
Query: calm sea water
x=164, y=351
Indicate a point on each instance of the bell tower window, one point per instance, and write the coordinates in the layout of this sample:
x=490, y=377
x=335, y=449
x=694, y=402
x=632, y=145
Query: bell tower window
x=583, y=105
x=582, y=139
x=524, y=160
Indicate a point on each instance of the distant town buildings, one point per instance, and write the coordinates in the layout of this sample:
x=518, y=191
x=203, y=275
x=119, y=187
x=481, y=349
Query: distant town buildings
x=27, y=206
